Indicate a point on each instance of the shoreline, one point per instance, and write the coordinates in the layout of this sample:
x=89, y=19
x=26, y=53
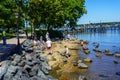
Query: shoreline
x=61, y=65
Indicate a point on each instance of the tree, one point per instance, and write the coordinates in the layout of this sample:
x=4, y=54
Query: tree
x=55, y=13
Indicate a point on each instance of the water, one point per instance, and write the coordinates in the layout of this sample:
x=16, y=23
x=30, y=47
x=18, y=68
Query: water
x=102, y=68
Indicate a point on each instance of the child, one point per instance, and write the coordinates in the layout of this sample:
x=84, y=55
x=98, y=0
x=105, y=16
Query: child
x=67, y=52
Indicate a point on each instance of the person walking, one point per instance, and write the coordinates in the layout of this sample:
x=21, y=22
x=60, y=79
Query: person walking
x=4, y=37
x=47, y=35
x=49, y=45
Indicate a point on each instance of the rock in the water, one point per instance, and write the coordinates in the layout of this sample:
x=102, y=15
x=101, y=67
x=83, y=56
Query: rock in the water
x=115, y=61
x=82, y=65
x=87, y=60
x=109, y=54
x=117, y=55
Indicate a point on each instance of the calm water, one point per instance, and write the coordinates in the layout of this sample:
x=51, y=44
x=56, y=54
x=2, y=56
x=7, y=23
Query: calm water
x=102, y=68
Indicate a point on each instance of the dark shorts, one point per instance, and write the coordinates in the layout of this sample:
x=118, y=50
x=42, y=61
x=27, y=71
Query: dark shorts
x=48, y=48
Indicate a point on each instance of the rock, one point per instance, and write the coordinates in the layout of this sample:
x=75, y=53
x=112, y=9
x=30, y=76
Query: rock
x=41, y=75
x=38, y=51
x=84, y=48
x=96, y=50
x=50, y=77
x=82, y=65
x=115, y=61
x=22, y=63
x=74, y=63
x=45, y=65
x=79, y=61
x=86, y=51
x=87, y=60
x=43, y=59
x=117, y=55
x=62, y=54
x=27, y=68
x=17, y=58
x=11, y=71
x=3, y=70
x=82, y=77
x=25, y=77
x=44, y=70
x=28, y=57
x=109, y=54
x=107, y=51
x=36, y=78
x=98, y=55
x=65, y=60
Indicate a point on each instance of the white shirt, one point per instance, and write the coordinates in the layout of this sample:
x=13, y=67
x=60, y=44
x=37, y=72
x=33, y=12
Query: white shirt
x=49, y=43
x=67, y=51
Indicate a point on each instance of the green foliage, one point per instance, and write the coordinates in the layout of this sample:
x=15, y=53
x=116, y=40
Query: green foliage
x=52, y=33
x=51, y=13
x=55, y=34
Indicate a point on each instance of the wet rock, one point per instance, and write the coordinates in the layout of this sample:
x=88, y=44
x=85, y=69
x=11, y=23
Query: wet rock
x=96, y=44
x=82, y=65
x=107, y=51
x=84, y=48
x=115, y=61
x=87, y=60
x=117, y=73
x=98, y=54
x=97, y=50
x=86, y=51
x=117, y=55
x=109, y=54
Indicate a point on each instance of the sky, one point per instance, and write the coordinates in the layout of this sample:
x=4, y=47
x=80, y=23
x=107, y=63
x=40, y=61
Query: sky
x=101, y=11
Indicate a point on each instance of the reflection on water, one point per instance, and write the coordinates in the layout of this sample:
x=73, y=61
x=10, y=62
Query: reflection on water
x=102, y=68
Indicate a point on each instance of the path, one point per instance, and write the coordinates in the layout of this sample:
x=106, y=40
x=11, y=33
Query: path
x=11, y=44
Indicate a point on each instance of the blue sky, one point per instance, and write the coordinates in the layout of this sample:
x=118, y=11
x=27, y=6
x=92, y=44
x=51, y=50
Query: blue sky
x=101, y=11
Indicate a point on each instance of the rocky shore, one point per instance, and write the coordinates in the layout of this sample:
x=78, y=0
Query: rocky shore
x=36, y=64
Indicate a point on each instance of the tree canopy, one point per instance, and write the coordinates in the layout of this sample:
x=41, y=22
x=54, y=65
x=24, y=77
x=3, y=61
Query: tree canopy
x=50, y=13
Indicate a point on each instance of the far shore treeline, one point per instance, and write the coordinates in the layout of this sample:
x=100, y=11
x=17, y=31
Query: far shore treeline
x=40, y=13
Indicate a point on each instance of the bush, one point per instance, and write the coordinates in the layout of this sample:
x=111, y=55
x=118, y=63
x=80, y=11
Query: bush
x=52, y=33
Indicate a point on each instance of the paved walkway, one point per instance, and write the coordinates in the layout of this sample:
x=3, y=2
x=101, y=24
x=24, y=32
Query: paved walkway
x=11, y=44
